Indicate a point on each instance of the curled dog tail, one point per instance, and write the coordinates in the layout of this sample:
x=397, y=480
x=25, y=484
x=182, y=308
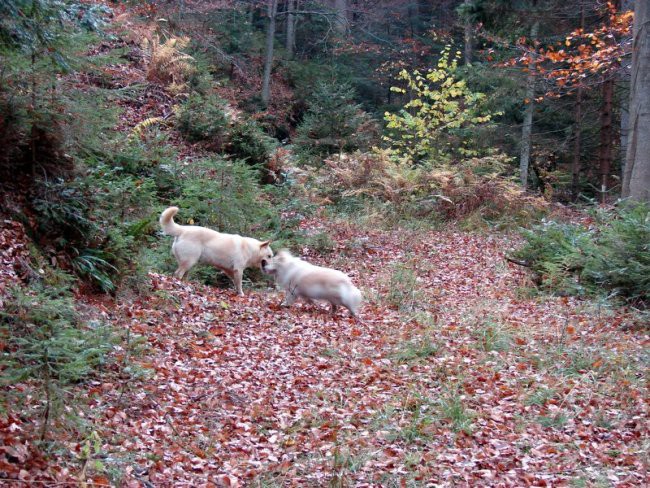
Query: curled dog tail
x=167, y=223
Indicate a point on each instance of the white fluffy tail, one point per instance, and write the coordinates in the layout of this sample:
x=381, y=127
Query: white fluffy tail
x=167, y=223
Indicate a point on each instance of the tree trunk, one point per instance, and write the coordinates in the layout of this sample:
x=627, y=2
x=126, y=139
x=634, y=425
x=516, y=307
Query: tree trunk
x=291, y=29
x=341, y=24
x=527, y=128
x=575, y=164
x=469, y=40
x=414, y=17
x=577, y=141
x=636, y=178
x=624, y=80
x=272, y=9
x=606, y=137
x=625, y=122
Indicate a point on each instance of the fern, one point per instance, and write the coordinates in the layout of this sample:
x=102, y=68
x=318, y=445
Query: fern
x=138, y=130
x=167, y=64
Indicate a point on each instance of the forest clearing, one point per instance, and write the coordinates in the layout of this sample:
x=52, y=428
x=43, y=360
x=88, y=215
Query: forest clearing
x=502, y=338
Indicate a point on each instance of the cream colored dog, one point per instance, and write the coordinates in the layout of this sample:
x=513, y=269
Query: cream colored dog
x=228, y=252
x=301, y=279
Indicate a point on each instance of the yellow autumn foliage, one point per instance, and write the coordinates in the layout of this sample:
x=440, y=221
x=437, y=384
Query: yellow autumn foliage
x=440, y=104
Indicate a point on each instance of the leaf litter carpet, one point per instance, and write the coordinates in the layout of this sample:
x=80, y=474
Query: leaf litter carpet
x=455, y=376
x=450, y=378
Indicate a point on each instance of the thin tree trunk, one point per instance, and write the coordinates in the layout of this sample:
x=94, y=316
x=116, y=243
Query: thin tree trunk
x=414, y=17
x=527, y=128
x=272, y=9
x=605, y=152
x=624, y=80
x=575, y=164
x=341, y=25
x=624, y=128
x=48, y=399
x=290, y=42
x=606, y=137
x=469, y=40
x=577, y=141
x=32, y=114
x=636, y=178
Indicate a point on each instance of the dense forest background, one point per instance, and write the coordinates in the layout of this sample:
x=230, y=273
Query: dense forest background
x=479, y=167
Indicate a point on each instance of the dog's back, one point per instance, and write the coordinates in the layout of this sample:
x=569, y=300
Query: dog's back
x=301, y=278
x=231, y=253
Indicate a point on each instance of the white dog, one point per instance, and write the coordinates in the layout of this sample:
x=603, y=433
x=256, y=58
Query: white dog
x=229, y=252
x=301, y=279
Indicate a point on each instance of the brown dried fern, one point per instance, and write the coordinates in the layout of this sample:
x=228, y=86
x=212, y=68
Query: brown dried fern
x=167, y=64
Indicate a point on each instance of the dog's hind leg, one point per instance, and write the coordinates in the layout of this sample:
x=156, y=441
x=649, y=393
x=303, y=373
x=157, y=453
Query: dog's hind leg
x=186, y=254
x=183, y=267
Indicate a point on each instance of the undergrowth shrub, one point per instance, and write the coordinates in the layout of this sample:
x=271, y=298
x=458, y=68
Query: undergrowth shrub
x=334, y=123
x=224, y=195
x=149, y=157
x=203, y=118
x=433, y=125
x=473, y=186
x=39, y=109
x=46, y=342
x=612, y=255
x=247, y=141
x=62, y=213
x=94, y=222
x=320, y=242
x=207, y=118
x=403, y=289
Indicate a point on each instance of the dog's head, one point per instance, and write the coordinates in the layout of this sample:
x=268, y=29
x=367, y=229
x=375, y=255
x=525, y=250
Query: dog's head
x=278, y=262
x=266, y=255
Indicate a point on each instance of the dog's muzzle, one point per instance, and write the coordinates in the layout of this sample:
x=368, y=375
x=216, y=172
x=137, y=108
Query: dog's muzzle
x=266, y=267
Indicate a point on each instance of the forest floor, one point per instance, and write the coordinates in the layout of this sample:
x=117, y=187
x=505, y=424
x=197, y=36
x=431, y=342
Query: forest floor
x=455, y=375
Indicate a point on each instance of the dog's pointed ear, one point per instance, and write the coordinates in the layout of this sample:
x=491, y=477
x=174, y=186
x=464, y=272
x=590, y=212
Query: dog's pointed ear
x=264, y=244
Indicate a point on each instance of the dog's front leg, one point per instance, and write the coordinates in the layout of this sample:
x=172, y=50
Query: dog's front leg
x=237, y=277
x=289, y=298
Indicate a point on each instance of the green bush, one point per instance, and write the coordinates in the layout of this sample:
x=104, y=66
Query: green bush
x=224, y=195
x=63, y=214
x=613, y=255
x=46, y=342
x=247, y=141
x=622, y=258
x=203, y=118
x=39, y=106
x=97, y=220
x=150, y=157
x=334, y=123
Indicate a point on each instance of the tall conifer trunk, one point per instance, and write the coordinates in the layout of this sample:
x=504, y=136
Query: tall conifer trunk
x=290, y=42
x=527, y=128
x=272, y=9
